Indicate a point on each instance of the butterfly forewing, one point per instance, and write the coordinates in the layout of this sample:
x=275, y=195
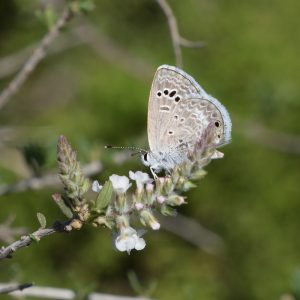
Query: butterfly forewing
x=180, y=110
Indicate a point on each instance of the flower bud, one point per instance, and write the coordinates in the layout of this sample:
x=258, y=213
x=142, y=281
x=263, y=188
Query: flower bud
x=148, y=219
x=76, y=224
x=161, y=199
x=168, y=185
x=175, y=200
x=139, y=206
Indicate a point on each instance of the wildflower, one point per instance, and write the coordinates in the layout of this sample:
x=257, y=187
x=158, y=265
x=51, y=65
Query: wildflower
x=161, y=199
x=149, y=187
x=120, y=183
x=129, y=239
x=96, y=187
x=139, y=206
x=147, y=218
x=140, y=178
x=175, y=200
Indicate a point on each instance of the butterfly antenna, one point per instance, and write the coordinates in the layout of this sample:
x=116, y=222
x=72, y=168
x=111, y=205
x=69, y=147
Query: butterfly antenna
x=138, y=150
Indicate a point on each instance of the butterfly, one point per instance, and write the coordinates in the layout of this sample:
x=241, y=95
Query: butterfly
x=179, y=111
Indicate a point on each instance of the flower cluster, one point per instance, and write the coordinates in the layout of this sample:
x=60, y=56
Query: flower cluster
x=122, y=201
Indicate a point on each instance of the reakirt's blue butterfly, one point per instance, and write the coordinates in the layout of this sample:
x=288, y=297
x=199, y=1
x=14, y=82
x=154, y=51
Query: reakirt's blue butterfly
x=179, y=111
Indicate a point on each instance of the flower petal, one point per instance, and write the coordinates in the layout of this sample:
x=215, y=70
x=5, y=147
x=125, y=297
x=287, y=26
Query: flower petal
x=140, y=244
x=96, y=187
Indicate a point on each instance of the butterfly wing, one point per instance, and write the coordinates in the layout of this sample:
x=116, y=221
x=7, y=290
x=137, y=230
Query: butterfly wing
x=179, y=110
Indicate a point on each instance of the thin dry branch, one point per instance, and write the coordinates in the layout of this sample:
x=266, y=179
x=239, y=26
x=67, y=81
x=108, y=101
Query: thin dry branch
x=24, y=241
x=177, y=40
x=194, y=233
x=12, y=62
x=107, y=48
x=37, y=183
x=37, y=55
x=60, y=293
x=9, y=288
x=280, y=141
x=7, y=232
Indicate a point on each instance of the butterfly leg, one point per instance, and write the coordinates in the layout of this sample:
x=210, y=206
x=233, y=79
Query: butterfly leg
x=153, y=173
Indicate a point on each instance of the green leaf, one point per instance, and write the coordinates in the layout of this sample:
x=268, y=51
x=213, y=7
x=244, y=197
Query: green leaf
x=50, y=17
x=104, y=196
x=86, y=6
x=66, y=210
x=42, y=220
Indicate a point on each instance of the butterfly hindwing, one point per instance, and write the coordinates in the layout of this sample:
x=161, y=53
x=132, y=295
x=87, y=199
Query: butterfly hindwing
x=179, y=110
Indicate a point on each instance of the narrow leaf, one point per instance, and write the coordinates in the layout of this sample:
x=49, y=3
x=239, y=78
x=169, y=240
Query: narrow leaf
x=42, y=220
x=62, y=205
x=104, y=196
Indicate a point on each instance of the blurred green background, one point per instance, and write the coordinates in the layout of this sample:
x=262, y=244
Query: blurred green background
x=93, y=88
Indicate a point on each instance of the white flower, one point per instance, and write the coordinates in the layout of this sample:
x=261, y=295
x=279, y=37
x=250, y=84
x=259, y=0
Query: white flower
x=96, y=187
x=129, y=239
x=120, y=183
x=149, y=187
x=155, y=225
x=140, y=178
x=161, y=199
x=139, y=206
x=148, y=218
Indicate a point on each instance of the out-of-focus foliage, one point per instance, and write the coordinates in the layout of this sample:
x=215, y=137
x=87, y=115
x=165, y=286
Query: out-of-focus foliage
x=250, y=198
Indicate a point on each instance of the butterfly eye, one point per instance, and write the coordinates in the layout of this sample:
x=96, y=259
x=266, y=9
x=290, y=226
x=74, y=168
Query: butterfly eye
x=146, y=157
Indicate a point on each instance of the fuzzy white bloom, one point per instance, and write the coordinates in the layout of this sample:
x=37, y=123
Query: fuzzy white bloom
x=149, y=187
x=129, y=239
x=139, y=206
x=120, y=183
x=140, y=178
x=161, y=199
x=155, y=225
x=147, y=218
x=96, y=187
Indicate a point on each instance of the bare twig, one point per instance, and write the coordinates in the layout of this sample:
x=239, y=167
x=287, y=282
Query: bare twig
x=7, y=233
x=8, y=288
x=24, y=241
x=36, y=183
x=283, y=142
x=106, y=47
x=193, y=232
x=37, y=55
x=11, y=63
x=63, y=294
x=177, y=40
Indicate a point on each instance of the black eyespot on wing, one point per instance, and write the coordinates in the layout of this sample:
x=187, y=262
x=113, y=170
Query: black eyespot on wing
x=177, y=99
x=176, y=117
x=158, y=94
x=217, y=123
x=170, y=132
x=166, y=92
x=146, y=156
x=172, y=93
